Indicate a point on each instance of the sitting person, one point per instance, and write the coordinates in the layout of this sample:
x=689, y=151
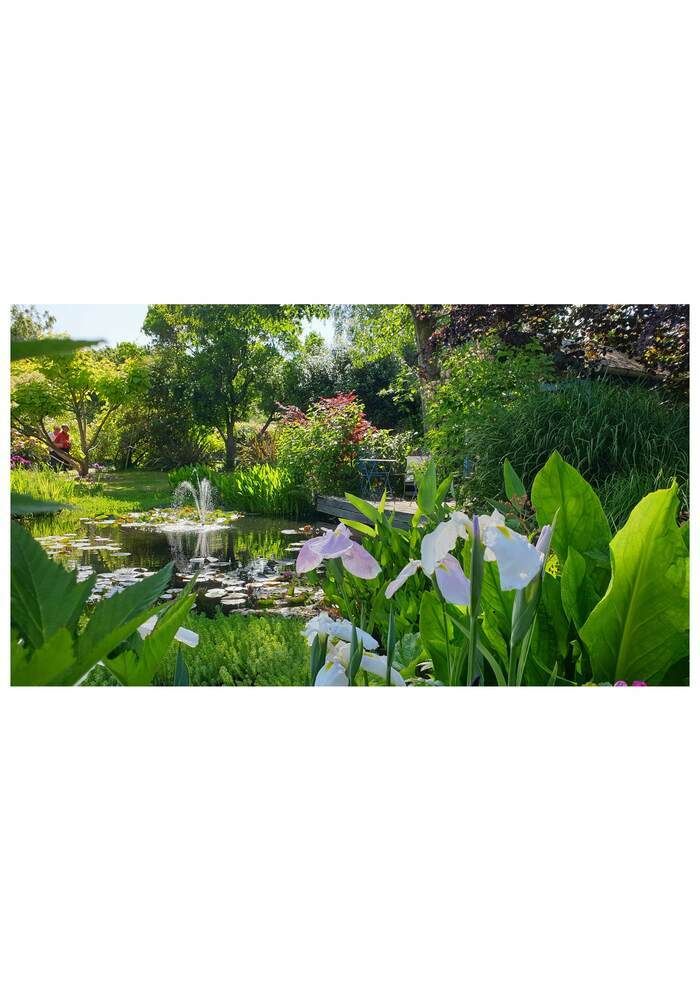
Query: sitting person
x=55, y=459
x=61, y=439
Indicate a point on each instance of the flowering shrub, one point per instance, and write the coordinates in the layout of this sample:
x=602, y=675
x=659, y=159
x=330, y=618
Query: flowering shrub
x=29, y=451
x=476, y=602
x=320, y=448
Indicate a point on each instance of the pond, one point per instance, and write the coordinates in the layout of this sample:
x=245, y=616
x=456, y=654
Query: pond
x=246, y=564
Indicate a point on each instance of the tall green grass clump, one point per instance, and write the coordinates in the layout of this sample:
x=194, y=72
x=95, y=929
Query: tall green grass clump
x=626, y=440
x=44, y=484
x=260, y=488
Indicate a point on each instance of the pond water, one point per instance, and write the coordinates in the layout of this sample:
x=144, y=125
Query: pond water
x=246, y=564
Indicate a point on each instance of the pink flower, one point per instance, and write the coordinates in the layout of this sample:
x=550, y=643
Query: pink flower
x=333, y=544
x=452, y=582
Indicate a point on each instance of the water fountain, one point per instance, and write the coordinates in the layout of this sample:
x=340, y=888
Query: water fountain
x=202, y=495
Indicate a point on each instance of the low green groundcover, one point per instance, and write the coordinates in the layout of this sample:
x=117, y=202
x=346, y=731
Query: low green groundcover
x=236, y=650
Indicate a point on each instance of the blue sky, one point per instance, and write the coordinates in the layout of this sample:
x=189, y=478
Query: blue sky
x=117, y=322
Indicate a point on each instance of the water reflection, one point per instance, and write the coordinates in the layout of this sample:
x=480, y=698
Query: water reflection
x=243, y=543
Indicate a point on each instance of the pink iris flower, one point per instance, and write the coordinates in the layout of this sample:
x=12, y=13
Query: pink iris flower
x=333, y=544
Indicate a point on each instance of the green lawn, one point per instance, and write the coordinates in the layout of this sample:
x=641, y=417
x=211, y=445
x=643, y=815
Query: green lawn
x=114, y=494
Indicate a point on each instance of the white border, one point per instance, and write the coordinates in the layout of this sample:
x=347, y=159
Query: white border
x=325, y=152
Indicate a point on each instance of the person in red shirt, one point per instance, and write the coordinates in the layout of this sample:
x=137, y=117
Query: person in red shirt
x=61, y=439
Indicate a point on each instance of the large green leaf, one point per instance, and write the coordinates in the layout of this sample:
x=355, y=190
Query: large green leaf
x=436, y=633
x=408, y=650
x=139, y=667
x=47, y=347
x=551, y=604
x=26, y=505
x=366, y=508
x=582, y=522
x=363, y=528
x=427, y=490
x=116, y=618
x=497, y=607
x=515, y=490
x=442, y=490
x=44, y=595
x=543, y=650
x=640, y=627
x=182, y=675
x=578, y=594
x=46, y=665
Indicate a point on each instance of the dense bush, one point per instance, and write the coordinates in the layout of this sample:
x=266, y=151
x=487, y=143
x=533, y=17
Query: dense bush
x=256, y=448
x=480, y=377
x=626, y=440
x=320, y=448
x=656, y=336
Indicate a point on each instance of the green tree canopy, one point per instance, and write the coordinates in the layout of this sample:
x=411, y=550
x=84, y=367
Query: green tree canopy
x=28, y=324
x=85, y=389
x=227, y=356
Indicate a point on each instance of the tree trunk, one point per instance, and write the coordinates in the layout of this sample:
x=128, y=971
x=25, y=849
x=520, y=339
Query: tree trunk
x=428, y=370
x=230, y=447
x=424, y=325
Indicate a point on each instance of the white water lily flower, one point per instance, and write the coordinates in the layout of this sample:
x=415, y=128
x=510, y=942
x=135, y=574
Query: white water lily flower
x=183, y=635
x=337, y=660
x=342, y=628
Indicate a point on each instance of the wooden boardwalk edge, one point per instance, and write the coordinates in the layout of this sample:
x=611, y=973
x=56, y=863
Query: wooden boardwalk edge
x=338, y=507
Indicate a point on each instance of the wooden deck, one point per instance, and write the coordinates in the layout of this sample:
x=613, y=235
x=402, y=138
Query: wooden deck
x=338, y=507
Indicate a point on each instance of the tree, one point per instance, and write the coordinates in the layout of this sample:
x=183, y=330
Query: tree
x=227, y=355
x=654, y=335
x=86, y=389
x=28, y=324
x=318, y=372
x=396, y=331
